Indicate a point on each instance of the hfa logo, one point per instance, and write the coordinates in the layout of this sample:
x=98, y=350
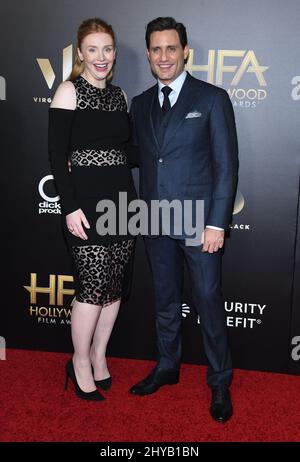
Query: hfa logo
x=47, y=69
x=56, y=289
x=215, y=67
x=222, y=62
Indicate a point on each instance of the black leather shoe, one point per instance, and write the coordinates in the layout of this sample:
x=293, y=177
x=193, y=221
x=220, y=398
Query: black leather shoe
x=155, y=380
x=221, y=407
x=104, y=384
x=89, y=396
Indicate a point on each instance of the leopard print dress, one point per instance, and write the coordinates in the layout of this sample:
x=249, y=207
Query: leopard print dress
x=99, y=170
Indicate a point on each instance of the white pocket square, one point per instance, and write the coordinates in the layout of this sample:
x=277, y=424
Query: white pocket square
x=192, y=115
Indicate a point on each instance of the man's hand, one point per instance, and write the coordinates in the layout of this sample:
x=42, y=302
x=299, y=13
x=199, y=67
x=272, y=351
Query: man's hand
x=75, y=222
x=212, y=240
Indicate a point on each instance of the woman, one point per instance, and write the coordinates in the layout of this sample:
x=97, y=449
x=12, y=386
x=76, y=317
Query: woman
x=88, y=128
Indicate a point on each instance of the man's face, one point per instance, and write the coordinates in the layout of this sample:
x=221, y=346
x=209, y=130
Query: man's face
x=166, y=55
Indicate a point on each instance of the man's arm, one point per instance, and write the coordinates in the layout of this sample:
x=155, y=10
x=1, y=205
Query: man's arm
x=224, y=151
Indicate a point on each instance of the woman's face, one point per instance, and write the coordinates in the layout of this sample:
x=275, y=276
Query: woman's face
x=98, y=54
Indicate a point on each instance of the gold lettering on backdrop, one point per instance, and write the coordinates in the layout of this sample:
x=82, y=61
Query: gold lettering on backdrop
x=67, y=61
x=60, y=288
x=209, y=67
x=33, y=289
x=47, y=69
x=249, y=64
x=221, y=68
x=51, y=312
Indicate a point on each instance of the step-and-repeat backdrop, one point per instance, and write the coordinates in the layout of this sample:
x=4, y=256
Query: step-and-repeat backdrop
x=250, y=49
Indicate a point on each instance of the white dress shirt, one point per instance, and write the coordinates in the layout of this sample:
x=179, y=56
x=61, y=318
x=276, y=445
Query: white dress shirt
x=176, y=87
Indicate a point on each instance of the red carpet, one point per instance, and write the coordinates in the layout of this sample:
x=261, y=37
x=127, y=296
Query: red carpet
x=34, y=406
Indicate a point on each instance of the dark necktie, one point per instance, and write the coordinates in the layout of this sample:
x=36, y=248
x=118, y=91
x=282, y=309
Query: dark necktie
x=166, y=106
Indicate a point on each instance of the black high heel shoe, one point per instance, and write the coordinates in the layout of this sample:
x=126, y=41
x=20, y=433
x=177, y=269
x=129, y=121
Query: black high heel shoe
x=89, y=396
x=104, y=384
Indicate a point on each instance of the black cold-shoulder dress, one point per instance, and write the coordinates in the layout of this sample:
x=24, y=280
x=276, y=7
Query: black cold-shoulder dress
x=93, y=138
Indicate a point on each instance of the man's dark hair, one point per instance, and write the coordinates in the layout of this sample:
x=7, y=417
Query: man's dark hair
x=160, y=24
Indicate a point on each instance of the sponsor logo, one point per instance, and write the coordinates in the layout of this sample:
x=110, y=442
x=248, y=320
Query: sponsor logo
x=238, y=207
x=49, y=75
x=47, y=69
x=238, y=314
x=50, y=204
x=51, y=306
x=237, y=70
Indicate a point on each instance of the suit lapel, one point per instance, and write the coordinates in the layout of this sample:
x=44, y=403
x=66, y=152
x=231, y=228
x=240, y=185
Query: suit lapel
x=181, y=108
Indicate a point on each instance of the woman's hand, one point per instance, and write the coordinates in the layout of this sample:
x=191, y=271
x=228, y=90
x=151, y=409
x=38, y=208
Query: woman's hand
x=75, y=222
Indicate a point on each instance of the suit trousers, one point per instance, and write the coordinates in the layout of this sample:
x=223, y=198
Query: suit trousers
x=166, y=257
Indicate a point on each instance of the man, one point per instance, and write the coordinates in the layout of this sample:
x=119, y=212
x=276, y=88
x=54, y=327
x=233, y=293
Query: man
x=185, y=133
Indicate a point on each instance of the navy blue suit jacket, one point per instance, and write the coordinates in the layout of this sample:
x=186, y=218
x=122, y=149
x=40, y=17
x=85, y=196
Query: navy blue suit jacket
x=198, y=158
